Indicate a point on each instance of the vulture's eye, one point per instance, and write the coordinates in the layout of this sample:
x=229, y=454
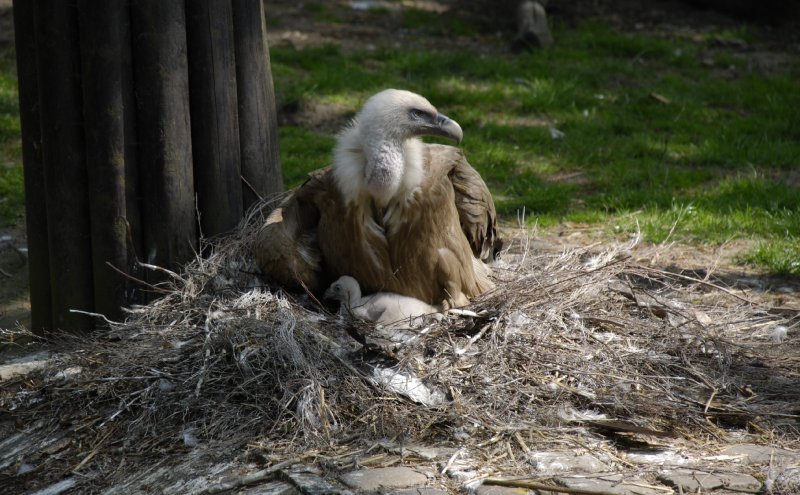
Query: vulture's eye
x=417, y=114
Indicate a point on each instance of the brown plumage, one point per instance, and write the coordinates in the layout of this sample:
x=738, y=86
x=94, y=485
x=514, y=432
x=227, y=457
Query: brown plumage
x=396, y=214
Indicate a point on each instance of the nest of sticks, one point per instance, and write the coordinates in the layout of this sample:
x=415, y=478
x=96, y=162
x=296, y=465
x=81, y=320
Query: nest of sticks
x=582, y=344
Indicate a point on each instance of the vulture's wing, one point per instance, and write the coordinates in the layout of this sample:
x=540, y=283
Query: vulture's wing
x=288, y=252
x=474, y=203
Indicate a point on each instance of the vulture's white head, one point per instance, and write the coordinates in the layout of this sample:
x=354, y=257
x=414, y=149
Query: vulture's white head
x=380, y=154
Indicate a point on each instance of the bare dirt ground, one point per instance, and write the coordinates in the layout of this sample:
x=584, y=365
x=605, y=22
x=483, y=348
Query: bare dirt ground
x=14, y=304
x=293, y=23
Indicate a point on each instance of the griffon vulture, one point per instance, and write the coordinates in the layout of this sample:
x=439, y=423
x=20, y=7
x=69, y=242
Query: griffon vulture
x=384, y=308
x=395, y=213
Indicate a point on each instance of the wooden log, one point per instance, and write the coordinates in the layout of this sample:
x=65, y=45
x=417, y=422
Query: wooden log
x=64, y=164
x=107, y=84
x=164, y=158
x=33, y=168
x=215, y=124
x=258, y=121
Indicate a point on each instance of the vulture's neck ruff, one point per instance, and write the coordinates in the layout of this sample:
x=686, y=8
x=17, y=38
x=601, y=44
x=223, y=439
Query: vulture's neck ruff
x=379, y=157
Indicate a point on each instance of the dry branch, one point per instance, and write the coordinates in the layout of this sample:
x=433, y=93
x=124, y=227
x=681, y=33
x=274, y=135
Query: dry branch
x=535, y=485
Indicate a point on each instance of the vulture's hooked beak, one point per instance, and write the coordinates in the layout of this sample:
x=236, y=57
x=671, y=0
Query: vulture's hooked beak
x=444, y=126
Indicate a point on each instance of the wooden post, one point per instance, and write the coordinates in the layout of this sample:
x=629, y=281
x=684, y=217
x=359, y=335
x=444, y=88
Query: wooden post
x=163, y=131
x=258, y=121
x=33, y=168
x=107, y=93
x=122, y=154
x=64, y=164
x=215, y=125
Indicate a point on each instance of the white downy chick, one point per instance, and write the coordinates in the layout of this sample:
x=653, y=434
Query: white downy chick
x=385, y=308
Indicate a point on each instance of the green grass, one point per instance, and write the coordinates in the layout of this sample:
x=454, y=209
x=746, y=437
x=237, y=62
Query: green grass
x=782, y=257
x=654, y=138
x=437, y=23
x=309, y=151
x=321, y=12
x=11, y=185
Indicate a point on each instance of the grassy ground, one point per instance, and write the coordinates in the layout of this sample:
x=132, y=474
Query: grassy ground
x=11, y=195
x=682, y=137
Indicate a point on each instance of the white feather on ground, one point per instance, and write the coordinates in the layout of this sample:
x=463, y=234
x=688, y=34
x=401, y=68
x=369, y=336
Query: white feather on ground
x=385, y=308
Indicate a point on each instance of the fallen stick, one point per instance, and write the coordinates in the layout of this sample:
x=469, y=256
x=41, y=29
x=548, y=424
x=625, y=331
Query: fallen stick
x=258, y=476
x=535, y=485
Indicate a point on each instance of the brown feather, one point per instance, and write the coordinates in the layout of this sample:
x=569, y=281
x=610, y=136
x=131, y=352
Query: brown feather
x=428, y=254
x=288, y=250
x=475, y=206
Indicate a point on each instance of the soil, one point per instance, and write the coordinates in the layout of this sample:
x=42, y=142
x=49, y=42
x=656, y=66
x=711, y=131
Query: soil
x=293, y=23
x=14, y=304
x=6, y=22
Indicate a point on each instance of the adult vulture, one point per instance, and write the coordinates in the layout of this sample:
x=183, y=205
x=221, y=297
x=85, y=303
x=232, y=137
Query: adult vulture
x=396, y=214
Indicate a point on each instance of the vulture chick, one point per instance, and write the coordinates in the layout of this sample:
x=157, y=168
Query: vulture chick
x=395, y=213
x=384, y=308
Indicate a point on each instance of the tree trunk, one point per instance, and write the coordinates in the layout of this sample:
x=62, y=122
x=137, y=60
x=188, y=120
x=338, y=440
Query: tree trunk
x=215, y=121
x=64, y=164
x=258, y=121
x=33, y=168
x=107, y=93
x=164, y=132
x=137, y=120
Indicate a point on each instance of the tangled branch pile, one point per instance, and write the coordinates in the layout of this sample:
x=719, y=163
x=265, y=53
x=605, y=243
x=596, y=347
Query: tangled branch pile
x=575, y=343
